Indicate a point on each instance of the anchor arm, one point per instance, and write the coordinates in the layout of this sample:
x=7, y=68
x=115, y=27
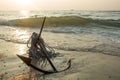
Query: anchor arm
x=27, y=61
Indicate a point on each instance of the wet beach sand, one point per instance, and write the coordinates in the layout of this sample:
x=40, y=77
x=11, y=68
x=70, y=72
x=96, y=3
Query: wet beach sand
x=86, y=65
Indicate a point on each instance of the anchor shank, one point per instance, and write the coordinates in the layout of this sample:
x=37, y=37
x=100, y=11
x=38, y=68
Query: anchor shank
x=45, y=53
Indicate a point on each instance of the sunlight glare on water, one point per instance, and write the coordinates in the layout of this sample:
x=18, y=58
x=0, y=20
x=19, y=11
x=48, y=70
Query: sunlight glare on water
x=25, y=13
x=22, y=34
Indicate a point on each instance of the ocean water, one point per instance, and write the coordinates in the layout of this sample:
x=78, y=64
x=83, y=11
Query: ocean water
x=101, y=35
x=99, y=32
x=112, y=15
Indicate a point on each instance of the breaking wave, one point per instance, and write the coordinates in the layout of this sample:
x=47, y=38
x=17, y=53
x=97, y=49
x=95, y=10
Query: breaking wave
x=63, y=21
x=4, y=22
x=74, y=33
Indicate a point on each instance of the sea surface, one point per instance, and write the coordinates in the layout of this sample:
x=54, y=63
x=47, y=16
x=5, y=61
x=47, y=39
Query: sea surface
x=101, y=36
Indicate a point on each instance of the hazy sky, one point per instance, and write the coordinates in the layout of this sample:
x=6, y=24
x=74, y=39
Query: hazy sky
x=59, y=4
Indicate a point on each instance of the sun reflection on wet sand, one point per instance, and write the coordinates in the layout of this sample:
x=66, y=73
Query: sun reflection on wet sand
x=22, y=36
x=22, y=49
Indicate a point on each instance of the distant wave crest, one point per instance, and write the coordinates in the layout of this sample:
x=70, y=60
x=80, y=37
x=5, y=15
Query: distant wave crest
x=62, y=21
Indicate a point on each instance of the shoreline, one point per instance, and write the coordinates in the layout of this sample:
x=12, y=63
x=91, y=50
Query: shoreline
x=85, y=50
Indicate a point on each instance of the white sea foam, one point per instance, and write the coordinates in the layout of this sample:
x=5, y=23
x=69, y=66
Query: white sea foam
x=90, y=39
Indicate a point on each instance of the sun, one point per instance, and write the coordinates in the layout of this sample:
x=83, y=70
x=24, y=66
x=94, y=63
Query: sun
x=24, y=3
